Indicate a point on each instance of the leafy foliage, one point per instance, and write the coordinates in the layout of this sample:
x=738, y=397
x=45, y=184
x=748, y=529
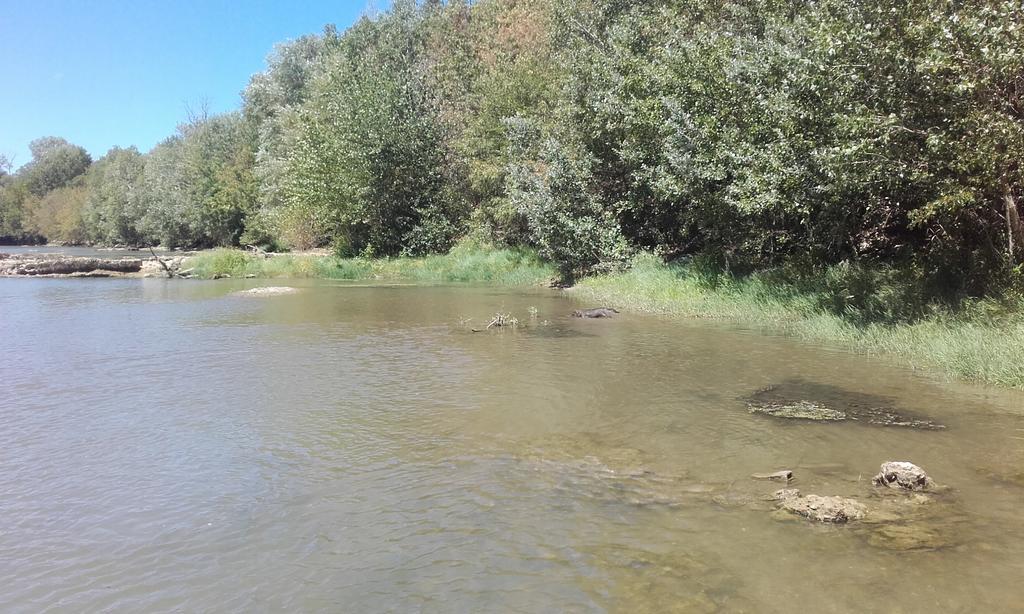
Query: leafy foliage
x=770, y=134
x=370, y=160
x=199, y=185
x=58, y=215
x=113, y=210
x=55, y=163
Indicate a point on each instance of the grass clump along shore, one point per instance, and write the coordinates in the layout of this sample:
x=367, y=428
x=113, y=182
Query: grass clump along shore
x=464, y=264
x=871, y=312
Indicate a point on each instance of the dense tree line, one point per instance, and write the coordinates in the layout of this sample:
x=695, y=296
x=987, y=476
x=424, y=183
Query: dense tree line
x=749, y=134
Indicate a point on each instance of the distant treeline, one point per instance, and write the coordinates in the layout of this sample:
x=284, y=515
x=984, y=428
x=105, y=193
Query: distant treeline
x=746, y=133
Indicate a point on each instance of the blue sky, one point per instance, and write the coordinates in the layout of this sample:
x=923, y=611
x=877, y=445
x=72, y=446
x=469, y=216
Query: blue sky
x=105, y=73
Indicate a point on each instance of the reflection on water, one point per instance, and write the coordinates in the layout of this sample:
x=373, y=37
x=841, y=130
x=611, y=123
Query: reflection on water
x=169, y=446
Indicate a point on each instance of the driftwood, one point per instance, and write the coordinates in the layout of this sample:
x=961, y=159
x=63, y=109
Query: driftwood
x=163, y=264
x=258, y=251
x=503, y=319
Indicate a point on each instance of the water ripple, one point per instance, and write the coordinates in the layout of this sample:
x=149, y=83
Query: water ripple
x=166, y=447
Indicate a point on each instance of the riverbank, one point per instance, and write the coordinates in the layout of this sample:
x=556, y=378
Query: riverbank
x=982, y=342
x=58, y=264
x=501, y=267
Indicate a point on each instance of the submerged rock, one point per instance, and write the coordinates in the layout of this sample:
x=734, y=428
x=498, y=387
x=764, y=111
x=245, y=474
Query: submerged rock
x=590, y=466
x=1010, y=476
x=800, y=400
x=663, y=578
x=801, y=410
x=907, y=520
x=918, y=521
x=818, y=508
x=1004, y=467
x=910, y=536
x=903, y=475
x=597, y=312
x=739, y=499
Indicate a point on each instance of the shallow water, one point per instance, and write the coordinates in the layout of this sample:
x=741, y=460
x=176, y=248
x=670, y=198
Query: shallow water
x=172, y=446
x=90, y=252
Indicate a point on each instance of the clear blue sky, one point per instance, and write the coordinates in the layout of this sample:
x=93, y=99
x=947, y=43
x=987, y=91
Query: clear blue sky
x=104, y=73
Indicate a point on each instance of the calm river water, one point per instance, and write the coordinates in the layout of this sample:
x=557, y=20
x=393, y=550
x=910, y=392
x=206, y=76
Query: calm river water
x=173, y=446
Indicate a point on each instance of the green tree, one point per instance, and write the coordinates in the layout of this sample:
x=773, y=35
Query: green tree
x=58, y=215
x=370, y=163
x=13, y=197
x=55, y=163
x=271, y=104
x=114, y=208
x=199, y=185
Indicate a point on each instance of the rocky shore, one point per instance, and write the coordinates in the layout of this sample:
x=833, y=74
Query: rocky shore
x=59, y=265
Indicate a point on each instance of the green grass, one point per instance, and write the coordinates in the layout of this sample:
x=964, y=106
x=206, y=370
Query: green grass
x=980, y=341
x=500, y=267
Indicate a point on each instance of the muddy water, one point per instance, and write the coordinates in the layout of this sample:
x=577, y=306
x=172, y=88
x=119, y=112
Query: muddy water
x=171, y=446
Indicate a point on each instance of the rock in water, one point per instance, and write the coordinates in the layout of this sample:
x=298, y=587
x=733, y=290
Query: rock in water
x=797, y=399
x=820, y=509
x=904, y=537
x=783, y=476
x=598, y=312
x=800, y=410
x=903, y=475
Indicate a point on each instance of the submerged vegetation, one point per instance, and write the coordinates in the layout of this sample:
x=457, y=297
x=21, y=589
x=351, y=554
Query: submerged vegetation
x=836, y=170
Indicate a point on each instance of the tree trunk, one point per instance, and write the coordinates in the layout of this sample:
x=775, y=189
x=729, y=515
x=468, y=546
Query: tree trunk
x=1014, y=228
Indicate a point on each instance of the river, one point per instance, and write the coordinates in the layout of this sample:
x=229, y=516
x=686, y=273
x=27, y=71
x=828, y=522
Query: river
x=170, y=445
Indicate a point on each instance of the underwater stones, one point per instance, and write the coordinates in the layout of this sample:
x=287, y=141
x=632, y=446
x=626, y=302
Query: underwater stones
x=1004, y=468
x=800, y=400
x=594, y=468
x=729, y=499
x=1003, y=475
x=597, y=312
x=903, y=475
x=664, y=579
x=914, y=515
x=909, y=536
x=786, y=493
x=818, y=508
x=799, y=410
x=917, y=522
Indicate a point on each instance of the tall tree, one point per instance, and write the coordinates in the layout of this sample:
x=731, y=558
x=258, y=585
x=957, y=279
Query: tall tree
x=370, y=161
x=55, y=163
x=114, y=207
